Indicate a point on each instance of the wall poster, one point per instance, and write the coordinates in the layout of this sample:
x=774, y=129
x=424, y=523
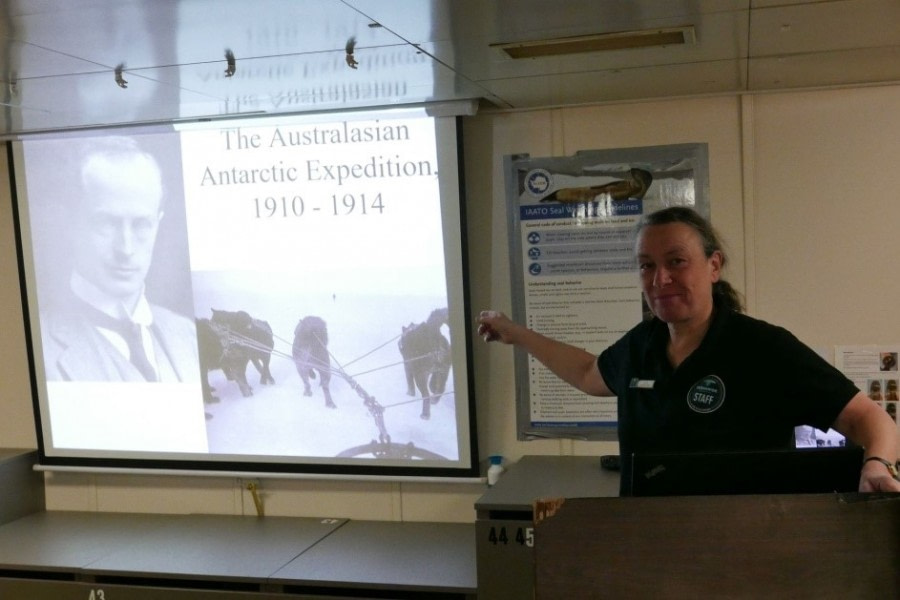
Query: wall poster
x=571, y=225
x=875, y=369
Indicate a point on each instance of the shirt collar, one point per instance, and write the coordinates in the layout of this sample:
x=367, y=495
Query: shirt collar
x=659, y=337
x=90, y=293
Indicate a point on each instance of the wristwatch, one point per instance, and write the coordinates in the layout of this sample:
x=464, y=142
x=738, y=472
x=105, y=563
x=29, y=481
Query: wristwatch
x=891, y=467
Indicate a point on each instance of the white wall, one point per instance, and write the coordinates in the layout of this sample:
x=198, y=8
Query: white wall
x=801, y=190
x=827, y=214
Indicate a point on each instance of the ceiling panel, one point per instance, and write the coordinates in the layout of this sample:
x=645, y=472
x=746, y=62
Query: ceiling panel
x=57, y=57
x=823, y=27
x=265, y=28
x=143, y=33
x=95, y=99
x=493, y=21
x=101, y=35
x=624, y=84
x=23, y=60
x=384, y=75
x=822, y=69
x=720, y=36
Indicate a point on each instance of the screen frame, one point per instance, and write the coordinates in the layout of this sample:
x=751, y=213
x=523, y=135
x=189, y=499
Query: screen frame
x=468, y=467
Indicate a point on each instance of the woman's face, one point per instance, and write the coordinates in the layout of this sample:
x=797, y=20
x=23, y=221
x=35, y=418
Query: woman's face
x=676, y=275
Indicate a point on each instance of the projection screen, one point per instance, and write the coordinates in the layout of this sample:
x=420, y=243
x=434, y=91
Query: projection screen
x=268, y=295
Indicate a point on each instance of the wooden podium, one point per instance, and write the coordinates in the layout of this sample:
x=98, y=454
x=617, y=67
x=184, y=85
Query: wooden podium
x=753, y=546
x=504, y=528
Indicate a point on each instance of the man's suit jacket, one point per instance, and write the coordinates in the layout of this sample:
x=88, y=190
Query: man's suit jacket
x=75, y=351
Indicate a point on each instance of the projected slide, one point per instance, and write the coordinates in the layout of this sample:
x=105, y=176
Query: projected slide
x=250, y=295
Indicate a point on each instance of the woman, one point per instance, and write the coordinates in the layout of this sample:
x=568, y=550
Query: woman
x=702, y=376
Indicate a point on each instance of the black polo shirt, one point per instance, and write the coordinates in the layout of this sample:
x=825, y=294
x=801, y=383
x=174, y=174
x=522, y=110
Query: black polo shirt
x=746, y=387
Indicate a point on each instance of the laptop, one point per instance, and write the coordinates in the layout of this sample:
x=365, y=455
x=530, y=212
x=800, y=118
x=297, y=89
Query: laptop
x=789, y=471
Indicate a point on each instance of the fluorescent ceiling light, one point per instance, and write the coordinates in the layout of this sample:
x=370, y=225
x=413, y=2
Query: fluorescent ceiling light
x=602, y=42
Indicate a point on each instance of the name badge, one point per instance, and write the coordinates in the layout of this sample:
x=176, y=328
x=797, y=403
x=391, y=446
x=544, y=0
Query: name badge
x=642, y=384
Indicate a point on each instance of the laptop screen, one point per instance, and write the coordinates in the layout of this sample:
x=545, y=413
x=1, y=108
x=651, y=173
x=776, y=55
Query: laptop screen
x=790, y=471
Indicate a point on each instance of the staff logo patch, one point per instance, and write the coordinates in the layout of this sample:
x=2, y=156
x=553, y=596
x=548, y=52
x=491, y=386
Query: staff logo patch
x=707, y=395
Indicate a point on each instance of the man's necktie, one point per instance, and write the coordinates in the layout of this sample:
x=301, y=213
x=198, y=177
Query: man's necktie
x=136, y=353
x=131, y=333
